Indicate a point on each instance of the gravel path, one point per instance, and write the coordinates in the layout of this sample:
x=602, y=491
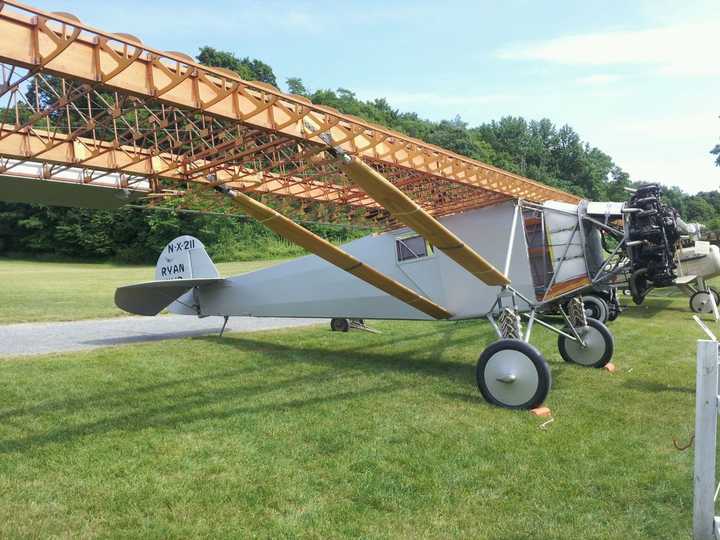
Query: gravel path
x=41, y=338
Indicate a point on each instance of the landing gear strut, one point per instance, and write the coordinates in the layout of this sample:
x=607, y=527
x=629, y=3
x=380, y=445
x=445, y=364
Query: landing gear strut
x=614, y=306
x=344, y=325
x=593, y=345
x=596, y=307
x=513, y=374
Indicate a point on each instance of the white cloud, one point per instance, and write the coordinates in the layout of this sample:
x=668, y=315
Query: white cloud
x=598, y=79
x=703, y=124
x=681, y=49
x=692, y=174
x=673, y=149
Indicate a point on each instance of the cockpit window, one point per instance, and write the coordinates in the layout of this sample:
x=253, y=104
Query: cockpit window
x=412, y=247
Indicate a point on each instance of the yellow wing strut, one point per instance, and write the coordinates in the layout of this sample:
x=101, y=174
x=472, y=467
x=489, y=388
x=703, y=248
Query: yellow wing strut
x=408, y=212
x=290, y=230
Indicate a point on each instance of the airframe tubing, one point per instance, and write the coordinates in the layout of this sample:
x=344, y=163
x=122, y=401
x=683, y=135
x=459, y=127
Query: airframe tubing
x=297, y=234
x=405, y=210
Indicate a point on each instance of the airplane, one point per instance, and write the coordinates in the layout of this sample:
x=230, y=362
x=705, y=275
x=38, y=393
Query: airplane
x=117, y=120
x=696, y=262
x=696, y=265
x=548, y=253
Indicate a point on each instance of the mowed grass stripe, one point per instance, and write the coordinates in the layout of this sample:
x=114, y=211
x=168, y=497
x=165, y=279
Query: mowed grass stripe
x=309, y=433
x=46, y=291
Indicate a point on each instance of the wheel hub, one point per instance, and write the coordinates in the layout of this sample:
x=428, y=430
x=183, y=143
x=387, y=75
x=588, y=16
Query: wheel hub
x=511, y=377
x=701, y=302
x=588, y=351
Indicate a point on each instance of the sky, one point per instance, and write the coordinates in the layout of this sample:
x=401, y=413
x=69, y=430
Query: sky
x=638, y=79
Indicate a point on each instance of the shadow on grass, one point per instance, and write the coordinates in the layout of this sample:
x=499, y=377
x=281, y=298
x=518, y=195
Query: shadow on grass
x=193, y=399
x=649, y=309
x=180, y=408
x=653, y=387
x=468, y=397
x=420, y=360
x=182, y=412
x=85, y=402
x=135, y=392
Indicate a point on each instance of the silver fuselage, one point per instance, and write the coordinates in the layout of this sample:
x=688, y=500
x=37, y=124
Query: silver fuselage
x=311, y=287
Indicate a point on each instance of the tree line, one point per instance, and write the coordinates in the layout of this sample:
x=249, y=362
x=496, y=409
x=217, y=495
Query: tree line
x=537, y=149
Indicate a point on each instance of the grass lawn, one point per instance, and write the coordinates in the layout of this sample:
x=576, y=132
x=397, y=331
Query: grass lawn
x=30, y=290
x=308, y=433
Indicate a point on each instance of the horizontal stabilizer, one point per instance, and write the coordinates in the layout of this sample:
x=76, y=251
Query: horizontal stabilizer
x=152, y=297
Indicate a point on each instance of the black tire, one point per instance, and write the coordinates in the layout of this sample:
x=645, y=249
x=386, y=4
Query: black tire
x=605, y=343
x=602, y=294
x=697, y=297
x=596, y=307
x=339, y=325
x=526, y=352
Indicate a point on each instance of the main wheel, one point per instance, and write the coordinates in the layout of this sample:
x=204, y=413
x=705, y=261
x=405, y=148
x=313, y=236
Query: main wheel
x=513, y=374
x=596, y=307
x=597, y=349
x=700, y=301
x=339, y=325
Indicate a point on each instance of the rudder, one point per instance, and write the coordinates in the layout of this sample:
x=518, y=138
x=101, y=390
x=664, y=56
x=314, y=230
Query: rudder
x=185, y=258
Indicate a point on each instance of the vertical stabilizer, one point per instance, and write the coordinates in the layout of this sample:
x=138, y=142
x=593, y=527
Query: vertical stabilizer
x=185, y=258
x=182, y=267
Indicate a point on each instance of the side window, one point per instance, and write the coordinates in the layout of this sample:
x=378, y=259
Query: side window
x=412, y=247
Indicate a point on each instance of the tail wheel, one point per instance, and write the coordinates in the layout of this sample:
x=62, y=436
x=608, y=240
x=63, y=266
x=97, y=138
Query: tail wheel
x=596, y=307
x=339, y=325
x=513, y=374
x=700, y=301
x=595, y=351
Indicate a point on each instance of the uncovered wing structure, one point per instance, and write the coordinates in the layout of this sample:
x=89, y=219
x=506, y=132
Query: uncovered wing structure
x=102, y=118
x=93, y=118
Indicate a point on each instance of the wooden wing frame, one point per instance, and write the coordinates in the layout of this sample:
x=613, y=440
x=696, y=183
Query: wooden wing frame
x=90, y=107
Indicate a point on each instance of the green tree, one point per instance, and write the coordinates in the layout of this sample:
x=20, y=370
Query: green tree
x=261, y=71
x=698, y=209
x=616, y=187
x=454, y=135
x=296, y=86
x=248, y=69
